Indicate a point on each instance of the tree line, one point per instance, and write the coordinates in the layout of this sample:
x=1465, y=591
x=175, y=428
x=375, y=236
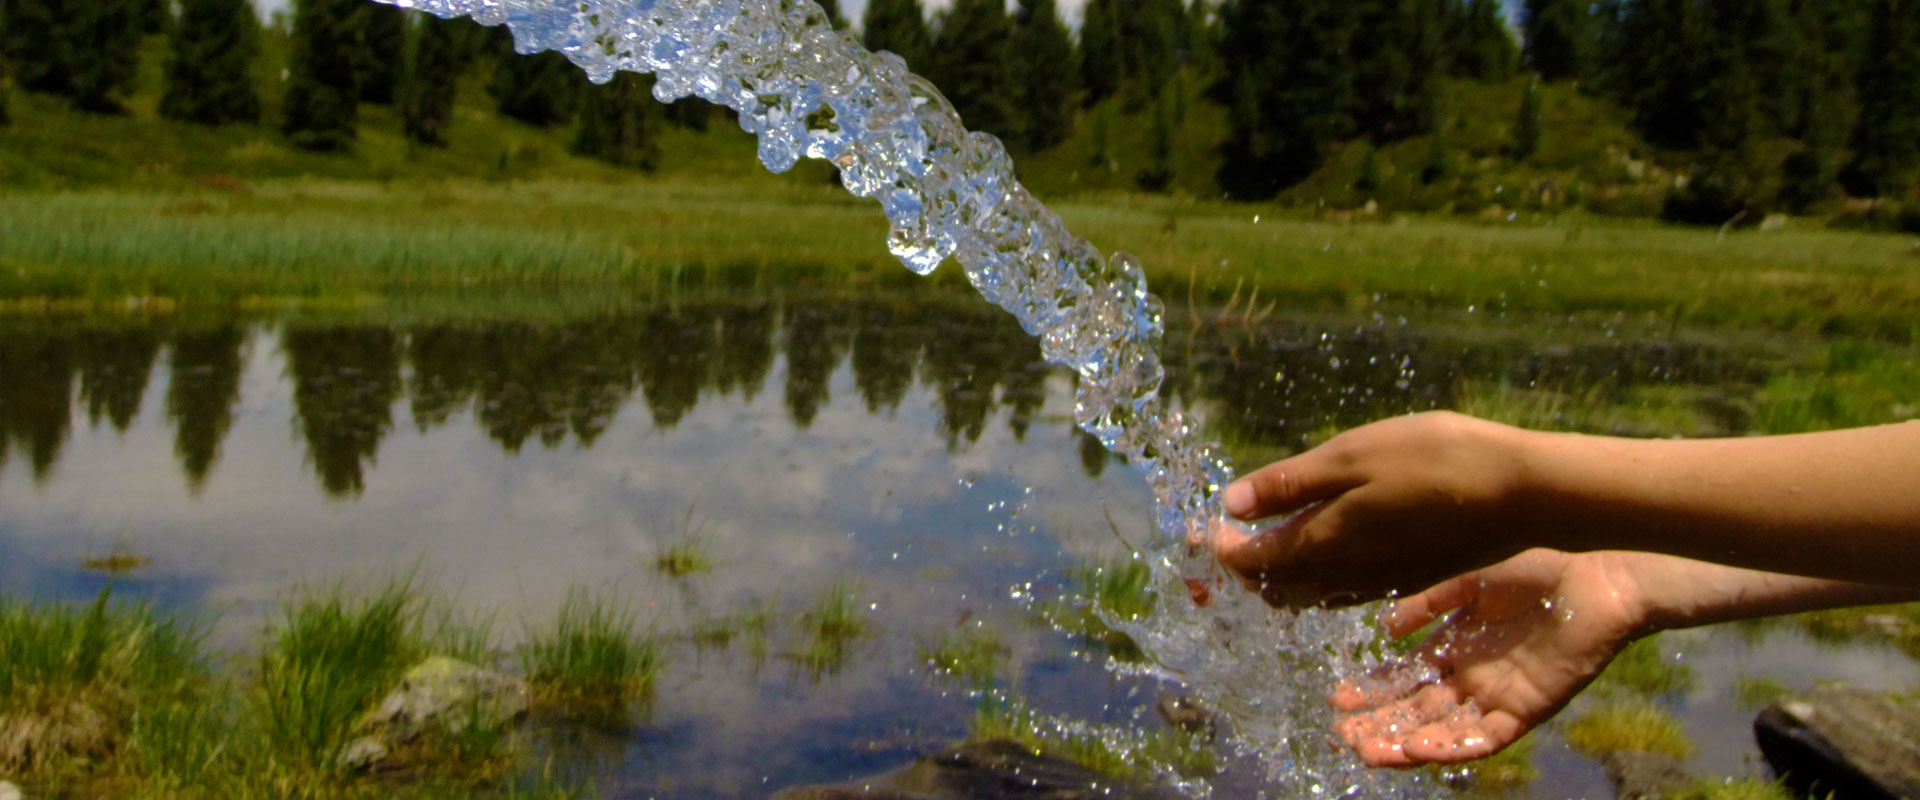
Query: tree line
x=1783, y=103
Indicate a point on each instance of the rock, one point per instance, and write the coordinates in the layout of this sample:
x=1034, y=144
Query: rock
x=990, y=770
x=1185, y=713
x=439, y=693
x=1850, y=742
x=1773, y=222
x=1644, y=776
x=9, y=791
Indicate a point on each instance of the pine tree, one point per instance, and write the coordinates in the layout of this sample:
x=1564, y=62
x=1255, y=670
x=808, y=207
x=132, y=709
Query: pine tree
x=618, y=122
x=322, y=99
x=538, y=89
x=380, y=58
x=101, y=47
x=1558, y=38
x=973, y=66
x=1292, y=88
x=210, y=72
x=433, y=65
x=156, y=16
x=1827, y=62
x=1394, y=64
x=1656, y=48
x=900, y=27
x=1043, y=52
x=30, y=40
x=1475, y=41
x=1526, y=127
x=1886, y=144
x=1102, y=67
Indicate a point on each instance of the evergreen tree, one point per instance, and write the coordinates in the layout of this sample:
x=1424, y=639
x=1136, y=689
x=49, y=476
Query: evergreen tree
x=210, y=73
x=1732, y=182
x=1043, y=52
x=1827, y=62
x=1558, y=38
x=322, y=99
x=1150, y=39
x=1292, y=88
x=1475, y=41
x=87, y=50
x=1526, y=127
x=380, y=58
x=973, y=66
x=1102, y=66
x=1159, y=174
x=156, y=16
x=1394, y=64
x=30, y=40
x=618, y=122
x=1886, y=144
x=433, y=65
x=539, y=89
x=1657, y=48
x=900, y=27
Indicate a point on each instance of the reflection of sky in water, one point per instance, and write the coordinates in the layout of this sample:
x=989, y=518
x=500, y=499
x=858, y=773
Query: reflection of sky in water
x=924, y=502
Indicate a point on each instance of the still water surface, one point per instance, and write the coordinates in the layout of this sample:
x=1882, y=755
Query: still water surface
x=912, y=445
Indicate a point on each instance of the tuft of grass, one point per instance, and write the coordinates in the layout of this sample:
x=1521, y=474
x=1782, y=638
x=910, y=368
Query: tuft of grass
x=972, y=657
x=1736, y=789
x=592, y=655
x=329, y=659
x=1632, y=725
x=1119, y=590
x=1120, y=753
x=684, y=559
x=1859, y=384
x=1502, y=773
x=1754, y=692
x=1645, y=670
x=828, y=630
x=72, y=677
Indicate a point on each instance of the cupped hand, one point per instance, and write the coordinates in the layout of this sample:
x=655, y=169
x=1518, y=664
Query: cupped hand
x=1526, y=635
x=1388, y=507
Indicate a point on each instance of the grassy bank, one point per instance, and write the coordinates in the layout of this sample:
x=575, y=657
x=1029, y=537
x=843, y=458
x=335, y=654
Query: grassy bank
x=356, y=242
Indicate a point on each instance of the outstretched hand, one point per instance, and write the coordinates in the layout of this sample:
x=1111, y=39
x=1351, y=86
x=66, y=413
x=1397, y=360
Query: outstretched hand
x=1526, y=635
x=1388, y=507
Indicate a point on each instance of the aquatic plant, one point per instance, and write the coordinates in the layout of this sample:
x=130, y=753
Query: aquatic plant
x=592, y=655
x=828, y=630
x=1630, y=725
x=330, y=657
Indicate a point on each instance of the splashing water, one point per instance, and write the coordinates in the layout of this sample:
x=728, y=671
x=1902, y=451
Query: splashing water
x=804, y=88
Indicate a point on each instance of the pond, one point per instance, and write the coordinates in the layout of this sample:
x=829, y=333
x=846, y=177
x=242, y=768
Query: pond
x=905, y=448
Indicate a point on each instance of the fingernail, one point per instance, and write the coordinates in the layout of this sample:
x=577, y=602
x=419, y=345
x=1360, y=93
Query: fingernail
x=1237, y=499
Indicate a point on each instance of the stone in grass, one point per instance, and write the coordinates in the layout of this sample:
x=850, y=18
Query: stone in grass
x=990, y=770
x=440, y=693
x=9, y=791
x=1849, y=742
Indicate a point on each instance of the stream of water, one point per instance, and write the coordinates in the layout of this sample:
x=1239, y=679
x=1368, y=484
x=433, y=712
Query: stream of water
x=805, y=89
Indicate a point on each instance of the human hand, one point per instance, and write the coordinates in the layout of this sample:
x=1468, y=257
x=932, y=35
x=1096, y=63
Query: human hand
x=1528, y=634
x=1388, y=507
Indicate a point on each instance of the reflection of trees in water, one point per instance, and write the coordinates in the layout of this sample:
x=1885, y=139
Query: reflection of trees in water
x=1278, y=383
x=345, y=382
x=114, y=367
x=204, y=364
x=816, y=332
x=35, y=396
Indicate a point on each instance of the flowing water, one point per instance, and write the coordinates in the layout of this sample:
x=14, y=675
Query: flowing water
x=912, y=447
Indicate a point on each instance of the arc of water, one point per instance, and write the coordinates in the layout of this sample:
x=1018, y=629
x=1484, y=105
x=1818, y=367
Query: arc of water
x=804, y=88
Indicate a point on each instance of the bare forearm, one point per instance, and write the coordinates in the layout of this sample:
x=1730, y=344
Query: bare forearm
x=1843, y=505
x=1673, y=592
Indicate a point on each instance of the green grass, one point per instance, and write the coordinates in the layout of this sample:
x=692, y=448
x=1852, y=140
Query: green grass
x=1502, y=773
x=1755, y=692
x=1736, y=789
x=592, y=657
x=118, y=699
x=1630, y=725
x=1128, y=753
x=1094, y=593
x=329, y=659
x=828, y=630
x=1645, y=411
x=72, y=678
x=1643, y=669
x=971, y=657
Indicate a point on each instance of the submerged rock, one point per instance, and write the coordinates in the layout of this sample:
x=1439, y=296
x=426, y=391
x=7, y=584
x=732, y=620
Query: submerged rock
x=1850, y=742
x=1645, y=776
x=990, y=770
x=438, y=694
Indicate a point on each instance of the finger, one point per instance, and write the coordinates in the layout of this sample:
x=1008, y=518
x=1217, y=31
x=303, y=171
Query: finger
x=1444, y=744
x=1288, y=485
x=1420, y=610
x=1266, y=552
